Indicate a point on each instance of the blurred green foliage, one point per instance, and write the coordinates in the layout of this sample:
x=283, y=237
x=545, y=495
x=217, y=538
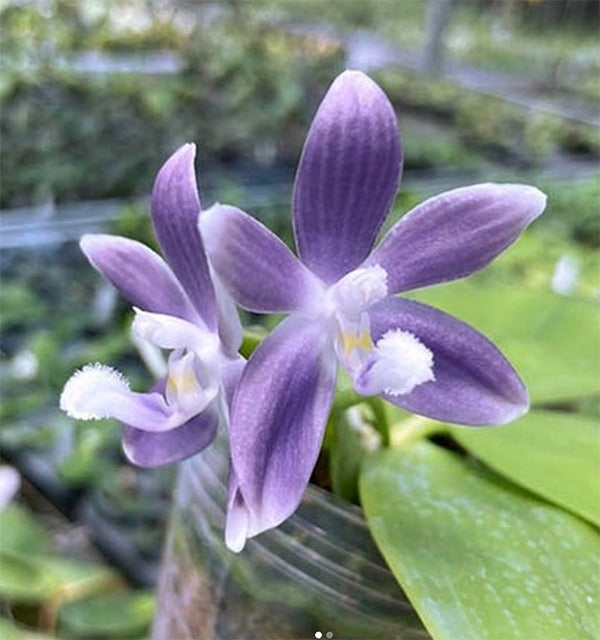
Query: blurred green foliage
x=242, y=95
x=40, y=587
x=575, y=209
x=526, y=136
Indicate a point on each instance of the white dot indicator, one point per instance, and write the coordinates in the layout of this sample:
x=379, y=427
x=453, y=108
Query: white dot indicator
x=329, y=635
x=318, y=635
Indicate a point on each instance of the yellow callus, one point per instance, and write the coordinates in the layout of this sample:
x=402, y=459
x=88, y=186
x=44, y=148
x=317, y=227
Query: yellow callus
x=183, y=382
x=351, y=341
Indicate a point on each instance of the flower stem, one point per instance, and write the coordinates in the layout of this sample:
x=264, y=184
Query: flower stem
x=381, y=422
x=412, y=429
x=346, y=399
x=349, y=398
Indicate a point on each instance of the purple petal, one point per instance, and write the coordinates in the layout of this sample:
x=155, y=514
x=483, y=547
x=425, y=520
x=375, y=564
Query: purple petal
x=253, y=264
x=230, y=328
x=231, y=373
x=237, y=523
x=347, y=176
x=278, y=417
x=139, y=274
x=474, y=383
x=455, y=233
x=151, y=449
x=148, y=449
x=175, y=208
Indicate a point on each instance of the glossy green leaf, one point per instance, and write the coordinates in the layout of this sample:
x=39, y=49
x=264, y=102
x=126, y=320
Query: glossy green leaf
x=479, y=558
x=556, y=455
x=116, y=615
x=552, y=340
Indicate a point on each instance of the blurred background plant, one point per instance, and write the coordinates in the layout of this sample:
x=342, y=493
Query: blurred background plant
x=96, y=95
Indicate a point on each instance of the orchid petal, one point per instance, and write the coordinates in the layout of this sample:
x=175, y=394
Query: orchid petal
x=231, y=372
x=97, y=392
x=237, y=522
x=152, y=449
x=347, y=177
x=455, y=234
x=230, y=327
x=254, y=265
x=175, y=208
x=278, y=418
x=140, y=275
x=169, y=332
x=474, y=383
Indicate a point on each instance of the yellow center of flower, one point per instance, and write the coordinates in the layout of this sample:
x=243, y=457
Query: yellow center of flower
x=182, y=382
x=354, y=340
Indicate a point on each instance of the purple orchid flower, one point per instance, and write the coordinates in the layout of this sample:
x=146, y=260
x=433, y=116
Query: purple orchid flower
x=176, y=307
x=340, y=295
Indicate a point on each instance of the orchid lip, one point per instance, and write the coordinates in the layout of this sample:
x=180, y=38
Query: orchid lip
x=398, y=363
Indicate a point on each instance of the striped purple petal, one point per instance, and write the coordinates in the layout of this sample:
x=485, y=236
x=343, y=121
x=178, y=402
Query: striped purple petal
x=455, y=233
x=474, y=383
x=278, y=418
x=347, y=177
x=253, y=264
x=175, y=209
x=140, y=275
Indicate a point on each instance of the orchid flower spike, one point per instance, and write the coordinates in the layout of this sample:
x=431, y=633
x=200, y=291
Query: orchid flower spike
x=177, y=307
x=340, y=293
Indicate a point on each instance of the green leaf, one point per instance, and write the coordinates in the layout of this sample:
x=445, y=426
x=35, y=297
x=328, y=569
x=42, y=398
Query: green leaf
x=21, y=532
x=28, y=577
x=552, y=340
x=23, y=580
x=478, y=557
x=86, y=462
x=116, y=615
x=76, y=579
x=10, y=631
x=556, y=455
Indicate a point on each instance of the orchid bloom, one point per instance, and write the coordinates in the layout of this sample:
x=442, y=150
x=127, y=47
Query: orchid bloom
x=340, y=294
x=176, y=307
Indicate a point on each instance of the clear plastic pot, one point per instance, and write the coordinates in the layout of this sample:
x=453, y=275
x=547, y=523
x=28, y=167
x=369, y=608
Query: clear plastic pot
x=319, y=575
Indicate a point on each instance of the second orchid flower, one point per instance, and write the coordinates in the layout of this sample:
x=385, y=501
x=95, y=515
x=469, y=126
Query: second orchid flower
x=177, y=307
